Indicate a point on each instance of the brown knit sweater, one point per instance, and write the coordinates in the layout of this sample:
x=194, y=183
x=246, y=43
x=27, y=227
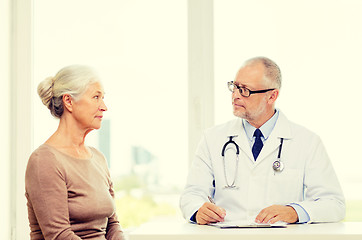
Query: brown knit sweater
x=70, y=198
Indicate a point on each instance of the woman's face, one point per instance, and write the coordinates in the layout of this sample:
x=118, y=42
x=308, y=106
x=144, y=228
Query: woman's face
x=88, y=110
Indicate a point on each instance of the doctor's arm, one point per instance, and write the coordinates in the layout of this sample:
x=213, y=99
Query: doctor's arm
x=193, y=201
x=324, y=200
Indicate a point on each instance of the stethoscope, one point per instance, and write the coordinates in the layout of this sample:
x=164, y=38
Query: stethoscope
x=278, y=165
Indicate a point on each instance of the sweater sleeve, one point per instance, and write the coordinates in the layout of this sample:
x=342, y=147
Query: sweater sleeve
x=114, y=231
x=47, y=195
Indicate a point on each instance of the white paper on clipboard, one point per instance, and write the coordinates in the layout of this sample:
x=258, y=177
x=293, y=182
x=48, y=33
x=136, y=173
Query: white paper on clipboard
x=248, y=225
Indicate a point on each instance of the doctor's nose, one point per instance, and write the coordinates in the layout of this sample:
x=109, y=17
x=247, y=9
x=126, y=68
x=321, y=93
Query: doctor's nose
x=235, y=94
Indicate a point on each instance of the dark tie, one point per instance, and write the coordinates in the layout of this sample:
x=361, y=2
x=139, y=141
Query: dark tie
x=258, y=144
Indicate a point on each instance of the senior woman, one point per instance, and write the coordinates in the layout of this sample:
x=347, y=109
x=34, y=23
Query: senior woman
x=68, y=186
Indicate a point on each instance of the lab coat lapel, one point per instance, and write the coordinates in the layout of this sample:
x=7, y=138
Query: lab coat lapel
x=269, y=146
x=242, y=139
x=244, y=145
x=281, y=130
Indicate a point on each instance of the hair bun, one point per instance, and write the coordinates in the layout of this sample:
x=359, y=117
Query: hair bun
x=45, y=91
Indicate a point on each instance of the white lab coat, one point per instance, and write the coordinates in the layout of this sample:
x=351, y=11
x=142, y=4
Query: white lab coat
x=308, y=178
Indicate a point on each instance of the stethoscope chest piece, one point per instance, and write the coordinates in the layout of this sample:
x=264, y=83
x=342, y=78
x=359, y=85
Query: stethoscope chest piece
x=278, y=166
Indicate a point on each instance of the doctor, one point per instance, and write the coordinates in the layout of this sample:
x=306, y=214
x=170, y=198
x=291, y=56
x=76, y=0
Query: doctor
x=261, y=167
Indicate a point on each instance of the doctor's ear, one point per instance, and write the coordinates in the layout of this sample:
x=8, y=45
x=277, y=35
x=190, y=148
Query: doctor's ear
x=68, y=102
x=274, y=95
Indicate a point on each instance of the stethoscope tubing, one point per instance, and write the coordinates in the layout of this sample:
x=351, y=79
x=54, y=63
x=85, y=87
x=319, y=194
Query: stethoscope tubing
x=231, y=141
x=280, y=147
x=232, y=185
x=278, y=166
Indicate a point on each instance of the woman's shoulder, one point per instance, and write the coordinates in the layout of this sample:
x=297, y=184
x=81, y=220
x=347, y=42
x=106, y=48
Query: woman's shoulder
x=43, y=151
x=45, y=166
x=44, y=157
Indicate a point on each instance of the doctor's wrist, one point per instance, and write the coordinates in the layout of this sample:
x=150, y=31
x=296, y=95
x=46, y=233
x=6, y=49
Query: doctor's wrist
x=193, y=217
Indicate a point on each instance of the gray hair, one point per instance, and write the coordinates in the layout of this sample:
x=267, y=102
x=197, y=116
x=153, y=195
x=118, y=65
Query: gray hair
x=72, y=80
x=272, y=74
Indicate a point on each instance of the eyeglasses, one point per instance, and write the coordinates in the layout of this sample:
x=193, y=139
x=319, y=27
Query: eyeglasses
x=245, y=92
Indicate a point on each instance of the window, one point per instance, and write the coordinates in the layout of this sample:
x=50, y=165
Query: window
x=139, y=49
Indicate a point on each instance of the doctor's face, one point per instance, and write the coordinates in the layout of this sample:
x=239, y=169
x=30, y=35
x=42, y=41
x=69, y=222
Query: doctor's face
x=256, y=107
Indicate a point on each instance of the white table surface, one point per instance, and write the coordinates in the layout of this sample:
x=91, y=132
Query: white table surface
x=179, y=229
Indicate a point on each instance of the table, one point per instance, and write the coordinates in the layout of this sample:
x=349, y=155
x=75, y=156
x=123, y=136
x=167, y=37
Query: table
x=179, y=229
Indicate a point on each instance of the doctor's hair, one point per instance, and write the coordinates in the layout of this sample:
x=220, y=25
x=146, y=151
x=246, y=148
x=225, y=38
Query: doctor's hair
x=272, y=74
x=72, y=80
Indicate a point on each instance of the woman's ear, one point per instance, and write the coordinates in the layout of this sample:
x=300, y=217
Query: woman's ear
x=68, y=102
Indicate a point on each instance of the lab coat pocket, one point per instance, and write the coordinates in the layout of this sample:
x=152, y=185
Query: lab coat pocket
x=285, y=187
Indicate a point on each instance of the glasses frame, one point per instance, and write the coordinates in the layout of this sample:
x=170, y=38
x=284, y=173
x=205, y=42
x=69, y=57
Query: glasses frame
x=247, y=90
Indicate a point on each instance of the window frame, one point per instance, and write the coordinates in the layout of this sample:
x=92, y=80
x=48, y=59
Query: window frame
x=21, y=92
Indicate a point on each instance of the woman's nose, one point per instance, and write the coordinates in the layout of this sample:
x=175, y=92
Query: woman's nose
x=103, y=107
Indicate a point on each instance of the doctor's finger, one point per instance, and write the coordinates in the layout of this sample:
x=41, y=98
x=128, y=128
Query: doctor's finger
x=276, y=219
x=210, y=207
x=289, y=216
x=209, y=217
x=200, y=218
x=265, y=215
x=218, y=210
x=269, y=218
x=214, y=216
x=203, y=217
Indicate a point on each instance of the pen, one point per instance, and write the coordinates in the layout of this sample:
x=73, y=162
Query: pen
x=211, y=200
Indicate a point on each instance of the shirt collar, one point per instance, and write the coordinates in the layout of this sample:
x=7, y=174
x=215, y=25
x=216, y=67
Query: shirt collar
x=266, y=128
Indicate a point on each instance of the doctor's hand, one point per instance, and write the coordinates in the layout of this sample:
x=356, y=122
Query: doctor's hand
x=277, y=213
x=210, y=213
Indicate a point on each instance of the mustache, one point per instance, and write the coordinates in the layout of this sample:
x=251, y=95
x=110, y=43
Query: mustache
x=235, y=102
